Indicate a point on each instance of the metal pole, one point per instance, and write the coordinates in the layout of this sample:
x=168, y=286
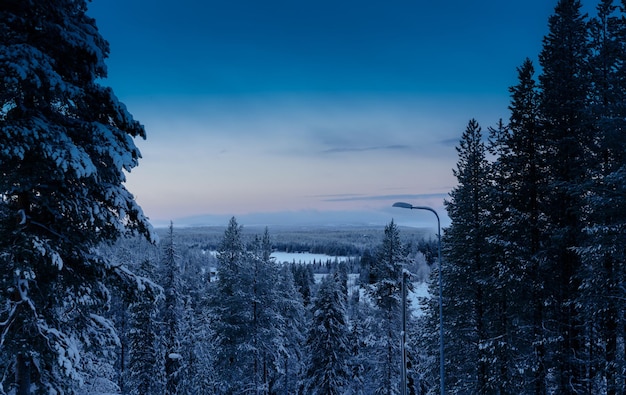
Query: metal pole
x=403, y=334
x=442, y=372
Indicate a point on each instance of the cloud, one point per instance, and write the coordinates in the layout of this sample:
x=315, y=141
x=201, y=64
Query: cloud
x=355, y=198
x=395, y=147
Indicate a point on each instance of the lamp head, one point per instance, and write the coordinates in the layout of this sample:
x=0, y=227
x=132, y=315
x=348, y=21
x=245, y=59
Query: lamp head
x=403, y=205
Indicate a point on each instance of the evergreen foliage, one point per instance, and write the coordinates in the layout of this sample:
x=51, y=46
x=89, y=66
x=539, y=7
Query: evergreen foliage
x=196, y=372
x=255, y=318
x=292, y=328
x=328, y=369
x=385, y=293
x=534, y=258
x=468, y=268
x=65, y=142
x=145, y=365
x=171, y=313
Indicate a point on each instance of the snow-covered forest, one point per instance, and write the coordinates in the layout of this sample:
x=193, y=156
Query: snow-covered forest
x=534, y=261
x=237, y=321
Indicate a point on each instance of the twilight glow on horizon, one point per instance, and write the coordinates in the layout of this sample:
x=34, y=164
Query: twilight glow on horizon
x=309, y=106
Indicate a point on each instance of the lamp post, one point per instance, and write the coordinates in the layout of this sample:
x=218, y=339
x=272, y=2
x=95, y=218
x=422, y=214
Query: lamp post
x=403, y=334
x=441, y=344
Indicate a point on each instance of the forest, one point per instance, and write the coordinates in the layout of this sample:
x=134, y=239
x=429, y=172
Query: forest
x=236, y=321
x=93, y=300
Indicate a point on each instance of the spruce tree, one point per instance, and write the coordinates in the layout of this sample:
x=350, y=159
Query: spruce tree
x=266, y=321
x=385, y=292
x=467, y=267
x=602, y=251
x=568, y=139
x=65, y=142
x=292, y=333
x=357, y=342
x=328, y=371
x=515, y=240
x=247, y=316
x=145, y=365
x=171, y=313
x=303, y=277
x=231, y=312
x=196, y=374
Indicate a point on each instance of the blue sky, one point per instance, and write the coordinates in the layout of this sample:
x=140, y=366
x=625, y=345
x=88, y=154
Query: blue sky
x=298, y=109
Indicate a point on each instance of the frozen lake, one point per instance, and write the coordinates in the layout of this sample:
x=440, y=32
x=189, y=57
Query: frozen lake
x=299, y=257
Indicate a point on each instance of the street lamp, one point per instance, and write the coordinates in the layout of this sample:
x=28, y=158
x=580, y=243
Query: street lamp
x=441, y=348
x=403, y=334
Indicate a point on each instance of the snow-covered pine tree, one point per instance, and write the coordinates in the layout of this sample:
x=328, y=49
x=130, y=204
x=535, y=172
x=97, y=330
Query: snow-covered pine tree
x=196, y=376
x=385, y=291
x=171, y=313
x=466, y=271
x=568, y=137
x=303, y=278
x=65, y=142
x=603, y=251
x=145, y=369
x=292, y=333
x=135, y=252
x=230, y=312
x=514, y=242
x=359, y=337
x=328, y=371
x=266, y=321
x=253, y=338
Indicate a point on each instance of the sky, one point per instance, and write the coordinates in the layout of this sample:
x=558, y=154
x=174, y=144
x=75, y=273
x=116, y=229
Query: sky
x=326, y=111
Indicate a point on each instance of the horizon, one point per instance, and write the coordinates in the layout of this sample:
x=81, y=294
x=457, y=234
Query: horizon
x=311, y=219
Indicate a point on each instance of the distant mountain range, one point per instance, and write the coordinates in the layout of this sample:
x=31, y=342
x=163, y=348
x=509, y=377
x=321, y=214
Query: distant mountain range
x=309, y=218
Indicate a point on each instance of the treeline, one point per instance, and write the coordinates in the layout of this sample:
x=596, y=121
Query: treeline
x=535, y=258
x=344, y=242
x=330, y=248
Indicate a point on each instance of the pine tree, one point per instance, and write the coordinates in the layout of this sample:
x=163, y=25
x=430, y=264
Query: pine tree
x=231, y=310
x=247, y=316
x=145, y=365
x=567, y=138
x=357, y=340
x=266, y=321
x=328, y=371
x=518, y=176
x=196, y=374
x=65, y=142
x=385, y=292
x=171, y=314
x=468, y=268
x=303, y=277
x=292, y=333
x=602, y=252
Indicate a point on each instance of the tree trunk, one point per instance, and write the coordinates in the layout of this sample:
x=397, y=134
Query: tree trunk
x=23, y=374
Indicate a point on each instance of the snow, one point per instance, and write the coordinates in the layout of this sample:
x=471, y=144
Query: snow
x=45, y=250
x=419, y=294
x=415, y=297
x=174, y=356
